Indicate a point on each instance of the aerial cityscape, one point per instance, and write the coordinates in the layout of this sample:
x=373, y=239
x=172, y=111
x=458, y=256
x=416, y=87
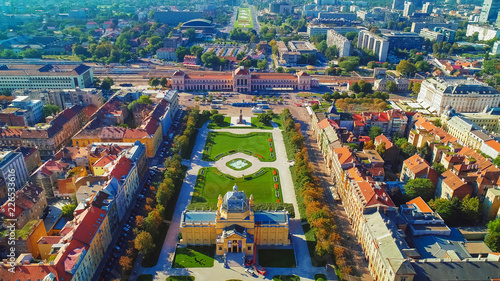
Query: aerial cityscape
x=236, y=140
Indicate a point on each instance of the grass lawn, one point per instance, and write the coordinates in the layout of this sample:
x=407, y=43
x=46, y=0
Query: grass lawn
x=189, y=257
x=244, y=18
x=220, y=144
x=286, y=278
x=180, y=278
x=276, y=258
x=145, y=277
x=213, y=182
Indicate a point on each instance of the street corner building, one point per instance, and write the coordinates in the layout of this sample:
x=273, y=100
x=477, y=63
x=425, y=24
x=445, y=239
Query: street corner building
x=235, y=227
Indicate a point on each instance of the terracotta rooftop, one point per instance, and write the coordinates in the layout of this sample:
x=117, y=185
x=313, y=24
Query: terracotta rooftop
x=91, y=220
x=105, y=160
x=417, y=164
x=345, y=155
x=420, y=204
x=452, y=180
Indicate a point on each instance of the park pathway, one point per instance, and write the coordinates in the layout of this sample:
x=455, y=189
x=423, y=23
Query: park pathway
x=163, y=268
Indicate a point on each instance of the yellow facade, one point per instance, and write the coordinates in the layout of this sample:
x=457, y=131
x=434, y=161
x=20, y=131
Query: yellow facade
x=36, y=232
x=235, y=227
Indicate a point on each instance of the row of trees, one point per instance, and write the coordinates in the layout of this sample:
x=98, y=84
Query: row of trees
x=148, y=228
x=493, y=237
x=310, y=197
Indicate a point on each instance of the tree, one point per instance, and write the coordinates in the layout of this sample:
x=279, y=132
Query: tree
x=180, y=52
x=265, y=118
x=315, y=106
x=31, y=53
x=408, y=149
x=471, y=209
x=152, y=222
x=381, y=149
x=369, y=145
x=374, y=132
x=196, y=50
x=126, y=263
x=439, y=167
x=355, y=87
x=107, y=83
x=280, y=69
x=420, y=187
x=210, y=60
x=153, y=81
x=68, y=210
x=349, y=63
x=50, y=109
x=406, y=68
x=437, y=123
x=416, y=88
x=217, y=119
x=144, y=243
x=391, y=86
x=493, y=241
x=496, y=161
x=262, y=64
x=190, y=33
x=163, y=82
x=494, y=226
x=447, y=209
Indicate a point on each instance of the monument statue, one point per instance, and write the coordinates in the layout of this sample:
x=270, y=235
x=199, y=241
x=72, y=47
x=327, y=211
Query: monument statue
x=240, y=121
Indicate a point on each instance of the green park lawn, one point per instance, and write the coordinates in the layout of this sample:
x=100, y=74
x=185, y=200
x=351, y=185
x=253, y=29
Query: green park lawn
x=189, y=257
x=244, y=18
x=276, y=257
x=211, y=182
x=220, y=144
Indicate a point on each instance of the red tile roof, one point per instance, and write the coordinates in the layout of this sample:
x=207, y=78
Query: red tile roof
x=90, y=222
x=105, y=160
x=121, y=168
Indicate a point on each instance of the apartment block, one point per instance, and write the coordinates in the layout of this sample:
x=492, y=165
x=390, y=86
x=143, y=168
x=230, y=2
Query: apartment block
x=375, y=43
x=343, y=44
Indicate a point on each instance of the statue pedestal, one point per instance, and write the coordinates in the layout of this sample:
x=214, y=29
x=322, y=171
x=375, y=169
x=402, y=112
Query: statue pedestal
x=241, y=121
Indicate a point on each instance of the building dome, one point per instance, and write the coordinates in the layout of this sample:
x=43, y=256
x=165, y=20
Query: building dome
x=235, y=201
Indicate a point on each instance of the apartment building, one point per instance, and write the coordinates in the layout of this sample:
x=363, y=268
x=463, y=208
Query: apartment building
x=372, y=42
x=13, y=168
x=64, y=98
x=29, y=205
x=336, y=39
x=417, y=167
x=464, y=95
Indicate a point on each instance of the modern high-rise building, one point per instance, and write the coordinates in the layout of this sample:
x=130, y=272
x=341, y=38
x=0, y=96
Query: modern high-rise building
x=398, y=4
x=427, y=8
x=343, y=44
x=409, y=9
x=490, y=10
x=373, y=42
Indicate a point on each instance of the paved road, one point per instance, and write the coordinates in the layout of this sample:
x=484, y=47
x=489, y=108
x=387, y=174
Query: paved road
x=164, y=268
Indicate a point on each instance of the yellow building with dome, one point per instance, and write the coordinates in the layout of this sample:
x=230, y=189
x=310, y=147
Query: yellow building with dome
x=235, y=227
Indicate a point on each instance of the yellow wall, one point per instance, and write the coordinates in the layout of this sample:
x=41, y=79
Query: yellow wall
x=38, y=232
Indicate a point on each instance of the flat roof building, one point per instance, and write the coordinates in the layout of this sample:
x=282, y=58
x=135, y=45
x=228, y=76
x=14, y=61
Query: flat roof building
x=49, y=76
